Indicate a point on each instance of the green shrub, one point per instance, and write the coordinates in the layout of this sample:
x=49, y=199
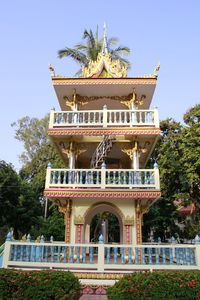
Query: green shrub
x=167, y=285
x=15, y=284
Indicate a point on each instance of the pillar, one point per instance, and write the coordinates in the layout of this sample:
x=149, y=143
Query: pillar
x=71, y=156
x=138, y=223
x=135, y=159
x=128, y=223
x=67, y=217
x=79, y=223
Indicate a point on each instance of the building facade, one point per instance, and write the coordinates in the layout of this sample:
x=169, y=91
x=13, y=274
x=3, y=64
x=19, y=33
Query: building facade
x=105, y=134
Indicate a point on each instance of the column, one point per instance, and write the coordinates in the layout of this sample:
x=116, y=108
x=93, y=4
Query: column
x=135, y=159
x=128, y=223
x=79, y=223
x=71, y=156
x=138, y=223
x=67, y=212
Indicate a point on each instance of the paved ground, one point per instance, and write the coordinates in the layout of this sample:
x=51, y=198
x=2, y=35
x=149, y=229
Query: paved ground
x=93, y=297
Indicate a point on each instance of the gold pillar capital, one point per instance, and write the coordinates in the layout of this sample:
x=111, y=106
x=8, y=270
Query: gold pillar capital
x=129, y=220
x=79, y=220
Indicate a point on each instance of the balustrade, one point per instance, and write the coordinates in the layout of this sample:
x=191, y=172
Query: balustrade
x=104, y=118
x=102, y=178
x=100, y=256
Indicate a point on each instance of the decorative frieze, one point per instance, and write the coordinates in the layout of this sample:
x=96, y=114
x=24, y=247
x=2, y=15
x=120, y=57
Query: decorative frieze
x=80, y=193
x=102, y=131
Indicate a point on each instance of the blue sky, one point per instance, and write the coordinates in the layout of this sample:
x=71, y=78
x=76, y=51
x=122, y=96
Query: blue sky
x=33, y=31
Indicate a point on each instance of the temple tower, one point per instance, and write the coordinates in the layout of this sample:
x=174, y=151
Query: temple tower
x=105, y=134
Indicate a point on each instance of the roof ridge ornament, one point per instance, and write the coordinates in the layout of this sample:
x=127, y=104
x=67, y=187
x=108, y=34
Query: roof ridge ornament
x=157, y=68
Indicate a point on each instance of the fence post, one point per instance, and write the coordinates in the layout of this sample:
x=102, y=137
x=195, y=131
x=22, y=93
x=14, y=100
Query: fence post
x=101, y=248
x=156, y=119
x=105, y=115
x=6, y=251
x=103, y=175
x=156, y=176
x=51, y=119
x=48, y=176
x=197, y=255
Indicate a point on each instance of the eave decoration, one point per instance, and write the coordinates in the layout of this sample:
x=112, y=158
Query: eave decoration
x=127, y=100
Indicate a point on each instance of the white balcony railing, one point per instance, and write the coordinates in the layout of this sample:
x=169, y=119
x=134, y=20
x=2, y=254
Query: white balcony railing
x=104, y=118
x=99, y=257
x=102, y=178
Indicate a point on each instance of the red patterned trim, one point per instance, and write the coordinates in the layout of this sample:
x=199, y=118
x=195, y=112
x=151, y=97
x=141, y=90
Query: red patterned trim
x=97, y=193
x=102, y=131
x=99, y=81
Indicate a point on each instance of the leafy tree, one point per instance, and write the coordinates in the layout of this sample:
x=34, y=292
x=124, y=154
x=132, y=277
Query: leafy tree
x=9, y=193
x=19, y=208
x=39, y=151
x=83, y=53
x=53, y=226
x=28, y=208
x=178, y=156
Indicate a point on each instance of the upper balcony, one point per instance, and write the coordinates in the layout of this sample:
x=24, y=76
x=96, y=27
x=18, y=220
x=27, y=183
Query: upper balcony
x=104, y=118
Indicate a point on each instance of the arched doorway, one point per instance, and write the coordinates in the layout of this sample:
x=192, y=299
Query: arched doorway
x=106, y=224
x=100, y=213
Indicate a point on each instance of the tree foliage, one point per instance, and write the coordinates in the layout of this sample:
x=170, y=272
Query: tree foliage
x=178, y=156
x=19, y=207
x=39, y=151
x=53, y=226
x=92, y=46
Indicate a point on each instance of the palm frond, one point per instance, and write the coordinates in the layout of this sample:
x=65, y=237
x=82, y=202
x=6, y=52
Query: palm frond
x=112, y=41
x=89, y=36
x=80, y=47
x=121, y=51
x=78, y=56
x=78, y=73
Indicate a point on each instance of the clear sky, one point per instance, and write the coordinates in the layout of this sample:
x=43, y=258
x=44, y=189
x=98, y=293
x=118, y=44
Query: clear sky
x=32, y=31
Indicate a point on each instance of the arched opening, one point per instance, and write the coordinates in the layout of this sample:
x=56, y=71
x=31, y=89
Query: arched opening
x=106, y=224
x=105, y=219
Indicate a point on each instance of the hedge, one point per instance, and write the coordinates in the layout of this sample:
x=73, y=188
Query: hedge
x=26, y=285
x=167, y=285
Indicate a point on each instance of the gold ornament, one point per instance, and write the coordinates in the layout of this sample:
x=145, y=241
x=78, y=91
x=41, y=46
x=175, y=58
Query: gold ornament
x=79, y=220
x=104, y=63
x=129, y=220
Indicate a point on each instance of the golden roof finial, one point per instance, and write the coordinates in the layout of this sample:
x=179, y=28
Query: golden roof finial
x=105, y=45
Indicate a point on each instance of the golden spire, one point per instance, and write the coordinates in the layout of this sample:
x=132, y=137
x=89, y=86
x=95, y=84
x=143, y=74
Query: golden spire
x=105, y=44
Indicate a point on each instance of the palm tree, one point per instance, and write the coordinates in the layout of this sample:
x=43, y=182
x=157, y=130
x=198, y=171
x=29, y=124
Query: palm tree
x=83, y=53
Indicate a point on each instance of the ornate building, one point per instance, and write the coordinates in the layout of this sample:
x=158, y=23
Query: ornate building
x=105, y=134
